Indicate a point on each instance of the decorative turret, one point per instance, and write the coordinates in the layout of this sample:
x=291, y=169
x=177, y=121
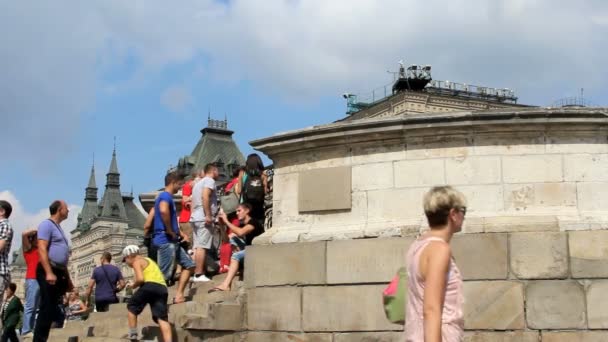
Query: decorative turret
x=91, y=190
x=112, y=205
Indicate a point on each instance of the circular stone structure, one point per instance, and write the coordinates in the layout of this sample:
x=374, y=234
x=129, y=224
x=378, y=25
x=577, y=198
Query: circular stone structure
x=348, y=202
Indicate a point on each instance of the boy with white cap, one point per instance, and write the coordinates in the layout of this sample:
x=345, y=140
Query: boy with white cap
x=152, y=290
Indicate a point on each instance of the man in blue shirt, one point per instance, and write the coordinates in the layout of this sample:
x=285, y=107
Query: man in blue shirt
x=166, y=237
x=107, y=280
x=52, y=271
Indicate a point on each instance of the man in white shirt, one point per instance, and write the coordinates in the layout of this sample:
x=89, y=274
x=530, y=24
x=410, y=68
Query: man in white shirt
x=204, y=211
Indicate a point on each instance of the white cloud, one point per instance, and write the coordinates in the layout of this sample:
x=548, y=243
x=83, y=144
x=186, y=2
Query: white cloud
x=22, y=219
x=176, y=98
x=52, y=53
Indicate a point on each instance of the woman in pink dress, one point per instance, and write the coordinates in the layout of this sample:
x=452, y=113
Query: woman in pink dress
x=434, y=302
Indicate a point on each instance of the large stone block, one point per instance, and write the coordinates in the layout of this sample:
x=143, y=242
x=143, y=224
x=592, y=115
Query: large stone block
x=340, y=219
x=592, y=196
x=586, y=167
x=505, y=336
x=394, y=204
x=483, y=198
x=285, y=186
x=345, y=308
x=589, y=254
x=532, y=169
x=325, y=189
x=568, y=142
x=540, y=195
x=283, y=264
x=312, y=159
x=555, y=304
x=597, y=300
x=416, y=173
x=541, y=255
x=377, y=153
x=473, y=170
x=372, y=176
x=369, y=337
x=575, y=336
x=274, y=308
x=365, y=260
x=494, y=305
x=481, y=256
x=438, y=146
x=259, y=336
x=520, y=224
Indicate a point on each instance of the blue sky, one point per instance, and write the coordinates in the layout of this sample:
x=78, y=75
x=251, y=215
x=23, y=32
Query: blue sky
x=76, y=75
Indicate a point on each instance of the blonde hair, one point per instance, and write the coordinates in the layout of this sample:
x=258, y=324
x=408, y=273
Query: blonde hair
x=439, y=201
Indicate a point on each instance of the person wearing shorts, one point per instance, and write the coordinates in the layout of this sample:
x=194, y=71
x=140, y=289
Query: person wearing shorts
x=204, y=209
x=152, y=291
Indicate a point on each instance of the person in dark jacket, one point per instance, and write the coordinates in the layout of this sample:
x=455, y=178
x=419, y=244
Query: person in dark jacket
x=12, y=309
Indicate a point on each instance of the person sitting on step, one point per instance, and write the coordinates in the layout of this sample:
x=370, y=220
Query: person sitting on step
x=248, y=230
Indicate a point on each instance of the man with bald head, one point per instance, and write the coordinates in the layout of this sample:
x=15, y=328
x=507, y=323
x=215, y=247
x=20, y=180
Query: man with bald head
x=52, y=271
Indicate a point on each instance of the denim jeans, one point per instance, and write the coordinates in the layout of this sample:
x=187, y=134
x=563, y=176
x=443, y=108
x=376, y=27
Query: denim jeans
x=168, y=255
x=32, y=300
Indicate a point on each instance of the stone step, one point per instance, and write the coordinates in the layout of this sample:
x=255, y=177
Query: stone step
x=219, y=317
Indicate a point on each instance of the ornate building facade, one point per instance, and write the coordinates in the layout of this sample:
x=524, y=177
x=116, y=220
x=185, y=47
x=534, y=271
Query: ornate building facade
x=106, y=225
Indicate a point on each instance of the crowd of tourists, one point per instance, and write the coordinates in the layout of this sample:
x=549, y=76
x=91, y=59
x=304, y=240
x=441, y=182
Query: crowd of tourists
x=208, y=236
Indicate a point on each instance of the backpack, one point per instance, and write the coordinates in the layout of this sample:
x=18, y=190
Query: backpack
x=253, y=189
x=394, y=297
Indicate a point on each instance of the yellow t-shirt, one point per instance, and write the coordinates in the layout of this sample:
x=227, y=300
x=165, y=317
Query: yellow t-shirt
x=152, y=273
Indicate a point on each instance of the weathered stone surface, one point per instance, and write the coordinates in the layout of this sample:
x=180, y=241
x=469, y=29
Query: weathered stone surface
x=285, y=186
x=542, y=255
x=589, y=254
x=327, y=221
x=568, y=142
x=345, y=308
x=575, y=336
x=416, y=173
x=494, y=305
x=220, y=316
x=592, y=196
x=438, y=146
x=385, y=151
x=394, y=204
x=532, y=169
x=481, y=256
x=540, y=195
x=281, y=264
x=597, y=300
x=509, y=143
x=373, y=176
x=506, y=336
x=274, y=308
x=285, y=336
x=482, y=198
x=365, y=260
x=473, y=170
x=325, y=189
x=369, y=337
x=586, y=167
x=555, y=304
x=520, y=224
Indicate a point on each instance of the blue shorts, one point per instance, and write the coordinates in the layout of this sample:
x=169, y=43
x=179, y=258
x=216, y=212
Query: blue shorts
x=168, y=255
x=238, y=256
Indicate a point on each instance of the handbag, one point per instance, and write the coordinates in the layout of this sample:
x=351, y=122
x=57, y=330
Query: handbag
x=229, y=202
x=394, y=297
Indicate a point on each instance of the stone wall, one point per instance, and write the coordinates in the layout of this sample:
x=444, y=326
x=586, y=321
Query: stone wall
x=533, y=250
x=519, y=286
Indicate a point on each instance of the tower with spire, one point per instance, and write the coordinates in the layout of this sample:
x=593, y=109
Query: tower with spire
x=103, y=225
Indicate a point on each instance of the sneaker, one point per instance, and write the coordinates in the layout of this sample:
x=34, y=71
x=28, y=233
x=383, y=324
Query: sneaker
x=199, y=279
x=131, y=337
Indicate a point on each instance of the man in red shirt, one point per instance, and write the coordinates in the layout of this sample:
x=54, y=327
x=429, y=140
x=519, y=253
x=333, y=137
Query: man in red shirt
x=32, y=290
x=184, y=215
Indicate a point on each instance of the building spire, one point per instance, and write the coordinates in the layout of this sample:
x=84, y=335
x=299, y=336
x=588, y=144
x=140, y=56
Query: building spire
x=92, y=182
x=114, y=164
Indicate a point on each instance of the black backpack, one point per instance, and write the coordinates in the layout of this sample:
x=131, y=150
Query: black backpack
x=253, y=189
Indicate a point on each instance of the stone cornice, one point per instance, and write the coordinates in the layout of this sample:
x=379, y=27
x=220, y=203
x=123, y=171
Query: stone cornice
x=426, y=124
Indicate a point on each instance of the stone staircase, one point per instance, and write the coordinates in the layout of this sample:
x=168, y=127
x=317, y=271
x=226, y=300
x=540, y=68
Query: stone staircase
x=216, y=316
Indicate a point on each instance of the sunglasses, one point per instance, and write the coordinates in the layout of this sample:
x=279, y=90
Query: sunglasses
x=463, y=210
